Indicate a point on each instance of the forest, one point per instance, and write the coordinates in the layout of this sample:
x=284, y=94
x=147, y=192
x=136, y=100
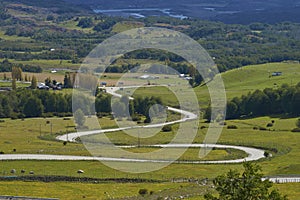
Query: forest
x=26, y=103
x=282, y=100
x=232, y=45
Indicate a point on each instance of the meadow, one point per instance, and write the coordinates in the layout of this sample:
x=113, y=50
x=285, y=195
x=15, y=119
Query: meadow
x=37, y=136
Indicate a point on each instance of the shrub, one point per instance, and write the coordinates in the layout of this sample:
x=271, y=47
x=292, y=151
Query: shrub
x=2, y=121
x=232, y=127
x=21, y=116
x=266, y=154
x=255, y=128
x=274, y=150
x=269, y=125
x=14, y=116
x=202, y=127
x=296, y=130
x=167, y=128
x=262, y=129
x=1, y=152
x=143, y=192
x=48, y=115
x=273, y=121
x=67, y=114
x=147, y=120
x=136, y=118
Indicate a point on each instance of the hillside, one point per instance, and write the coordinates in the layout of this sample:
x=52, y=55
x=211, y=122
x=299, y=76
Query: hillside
x=228, y=11
x=30, y=29
x=241, y=81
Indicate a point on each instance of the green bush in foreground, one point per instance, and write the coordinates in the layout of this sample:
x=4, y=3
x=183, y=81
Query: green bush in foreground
x=248, y=185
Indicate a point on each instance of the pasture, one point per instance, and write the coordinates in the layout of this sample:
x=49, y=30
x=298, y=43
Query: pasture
x=37, y=136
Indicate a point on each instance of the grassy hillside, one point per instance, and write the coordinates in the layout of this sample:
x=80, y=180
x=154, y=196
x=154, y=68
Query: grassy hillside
x=237, y=82
x=247, y=79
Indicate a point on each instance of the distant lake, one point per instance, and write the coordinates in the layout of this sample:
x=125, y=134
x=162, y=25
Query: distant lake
x=140, y=12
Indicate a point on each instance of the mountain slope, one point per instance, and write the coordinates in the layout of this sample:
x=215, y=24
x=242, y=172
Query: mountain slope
x=228, y=11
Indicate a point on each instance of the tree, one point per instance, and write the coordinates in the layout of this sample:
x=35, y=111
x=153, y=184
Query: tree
x=14, y=84
x=79, y=117
x=207, y=113
x=48, y=82
x=232, y=110
x=33, y=107
x=119, y=109
x=248, y=185
x=16, y=72
x=68, y=81
x=85, y=23
x=33, y=83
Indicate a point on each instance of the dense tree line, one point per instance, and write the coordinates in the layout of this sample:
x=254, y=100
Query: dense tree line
x=6, y=66
x=22, y=103
x=33, y=103
x=283, y=100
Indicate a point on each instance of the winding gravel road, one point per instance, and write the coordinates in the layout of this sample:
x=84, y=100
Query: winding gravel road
x=253, y=154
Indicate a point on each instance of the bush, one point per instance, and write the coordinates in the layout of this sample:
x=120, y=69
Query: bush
x=48, y=115
x=14, y=116
x=232, y=127
x=67, y=114
x=296, y=130
x=262, y=129
x=202, y=127
x=147, y=120
x=136, y=118
x=266, y=154
x=269, y=125
x=167, y=128
x=143, y=192
x=2, y=121
x=255, y=128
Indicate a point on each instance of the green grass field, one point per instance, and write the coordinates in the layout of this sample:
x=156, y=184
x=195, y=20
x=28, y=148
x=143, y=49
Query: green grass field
x=14, y=38
x=126, y=25
x=48, y=64
x=285, y=161
x=247, y=79
x=65, y=191
x=91, y=191
x=279, y=141
x=237, y=82
x=24, y=137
